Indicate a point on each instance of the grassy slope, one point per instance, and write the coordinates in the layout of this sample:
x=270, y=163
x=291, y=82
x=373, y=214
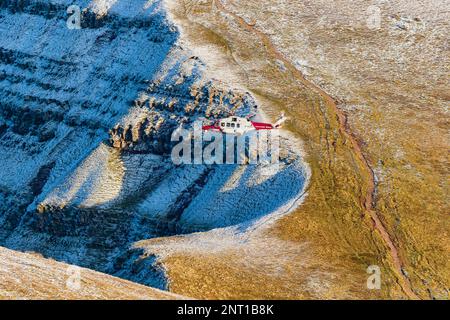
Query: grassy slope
x=392, y=84
x=336, y=219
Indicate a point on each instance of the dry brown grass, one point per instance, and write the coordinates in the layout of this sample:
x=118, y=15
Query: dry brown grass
x=391, y=83
x=336, y=218
x=404, y=228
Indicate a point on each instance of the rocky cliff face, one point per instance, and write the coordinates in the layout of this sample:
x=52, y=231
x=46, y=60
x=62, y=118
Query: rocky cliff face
x=85, y=123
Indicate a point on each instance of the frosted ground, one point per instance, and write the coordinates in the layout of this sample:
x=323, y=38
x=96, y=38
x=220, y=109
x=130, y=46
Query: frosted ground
x=68, y=192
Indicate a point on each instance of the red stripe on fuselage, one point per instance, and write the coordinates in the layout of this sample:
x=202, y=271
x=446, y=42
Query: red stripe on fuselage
x=262, y=125
x=211, y=128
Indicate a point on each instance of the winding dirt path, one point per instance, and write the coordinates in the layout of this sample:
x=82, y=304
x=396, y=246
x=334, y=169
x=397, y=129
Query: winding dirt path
x=367, y=200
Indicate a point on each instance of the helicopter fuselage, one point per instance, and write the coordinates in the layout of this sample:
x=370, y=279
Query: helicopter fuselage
x=237, y=125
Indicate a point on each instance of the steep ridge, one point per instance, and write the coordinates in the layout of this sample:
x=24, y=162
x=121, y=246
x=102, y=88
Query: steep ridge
x=86, y=118
x=62, y=89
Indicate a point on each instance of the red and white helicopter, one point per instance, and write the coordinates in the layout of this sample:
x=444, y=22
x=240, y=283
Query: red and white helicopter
x=240, y=125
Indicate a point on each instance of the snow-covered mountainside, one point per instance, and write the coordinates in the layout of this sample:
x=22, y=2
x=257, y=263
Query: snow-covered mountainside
x=85, y=123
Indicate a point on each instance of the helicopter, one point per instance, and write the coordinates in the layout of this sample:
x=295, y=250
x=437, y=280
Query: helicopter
x=242, y=125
